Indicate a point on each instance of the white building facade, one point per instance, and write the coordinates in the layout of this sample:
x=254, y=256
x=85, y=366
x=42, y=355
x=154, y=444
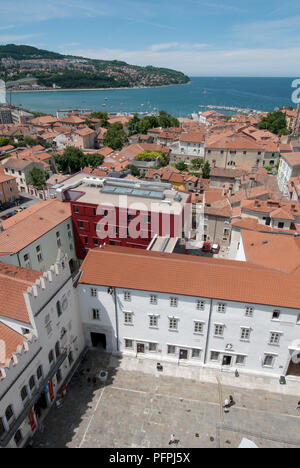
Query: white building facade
x=188, y=329
x=34, y=376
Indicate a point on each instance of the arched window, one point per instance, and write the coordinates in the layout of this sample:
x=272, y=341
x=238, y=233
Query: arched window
x=31, y=382
x=9, y=414
x=58, y=309
x=51, y=357
x=24, y=393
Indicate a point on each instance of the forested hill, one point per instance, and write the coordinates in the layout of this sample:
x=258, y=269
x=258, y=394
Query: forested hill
x=66, y=71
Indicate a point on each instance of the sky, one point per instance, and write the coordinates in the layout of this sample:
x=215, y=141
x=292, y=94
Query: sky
x=198, y=37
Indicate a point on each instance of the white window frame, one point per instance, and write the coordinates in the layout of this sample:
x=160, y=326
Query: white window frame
x=128, y=317
x=274, y=339
x=132, y=343
x=276, y=311
x=95, y=314
x=173, y=321
x=127, y=296
x=153, y=321
x=270, y=366
x=153, y=299
x=200, y=305
x=221, y=327
x=93, y=292
x=171, y=346
x=198, y=323
x=240, y=363
x=173, y=302
x=214, y=352
x=245, y=333
x=198, y=350
x=221, y=307
x=249, y=311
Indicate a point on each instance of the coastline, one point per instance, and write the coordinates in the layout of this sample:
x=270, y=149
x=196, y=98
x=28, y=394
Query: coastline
x=91, y=89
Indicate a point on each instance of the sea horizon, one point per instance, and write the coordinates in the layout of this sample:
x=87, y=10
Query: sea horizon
x=255, y=93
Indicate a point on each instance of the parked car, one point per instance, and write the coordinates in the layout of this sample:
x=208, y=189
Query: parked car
x=8, y=215
x=215, y=249
x=206, y=247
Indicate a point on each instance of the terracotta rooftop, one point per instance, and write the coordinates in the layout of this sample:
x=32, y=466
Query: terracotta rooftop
x=277, y=251
x=27, y=226
x=190, y=276
x=293, y=159
x=12, y=340
x=14, y=281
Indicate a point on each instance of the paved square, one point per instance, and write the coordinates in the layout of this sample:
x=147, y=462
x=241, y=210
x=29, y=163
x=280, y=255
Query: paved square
x=134, y=409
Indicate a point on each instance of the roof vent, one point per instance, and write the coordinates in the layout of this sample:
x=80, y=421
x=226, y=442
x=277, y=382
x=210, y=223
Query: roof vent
x=265, y=242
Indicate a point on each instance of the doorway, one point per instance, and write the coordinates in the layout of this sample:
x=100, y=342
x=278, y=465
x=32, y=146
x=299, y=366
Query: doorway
x=227, y=360
x=140, y=347
x=183, y=354
x=294, y=367
x=98, y=340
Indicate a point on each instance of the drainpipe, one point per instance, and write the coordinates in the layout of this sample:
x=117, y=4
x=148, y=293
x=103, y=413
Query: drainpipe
x=116, y=316
x=208, y=330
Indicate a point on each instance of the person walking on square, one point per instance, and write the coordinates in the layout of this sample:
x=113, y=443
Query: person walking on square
x=298, y=406
x=172, y=439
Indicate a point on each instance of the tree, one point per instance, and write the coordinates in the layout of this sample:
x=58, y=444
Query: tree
x=133, y=170
x=275, y=122
x=197, y=163
x=181, y=166
x=150, y=156
x=115, y=137
x=206, y=170
x=37, y=178
x=72, y=160
x=93, y=160
x=5, y=141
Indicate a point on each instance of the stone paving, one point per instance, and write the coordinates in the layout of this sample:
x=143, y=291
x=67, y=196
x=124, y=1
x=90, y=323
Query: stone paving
x=137, y=409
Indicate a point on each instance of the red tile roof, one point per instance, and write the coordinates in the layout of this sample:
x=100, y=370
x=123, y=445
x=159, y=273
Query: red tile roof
x=190, y=276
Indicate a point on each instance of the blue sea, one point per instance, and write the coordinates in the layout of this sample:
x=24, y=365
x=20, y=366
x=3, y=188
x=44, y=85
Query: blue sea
x=180, y=100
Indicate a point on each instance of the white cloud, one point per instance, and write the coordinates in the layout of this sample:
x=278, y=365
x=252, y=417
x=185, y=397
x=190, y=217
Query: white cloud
x=210, y=62
x=13, y=38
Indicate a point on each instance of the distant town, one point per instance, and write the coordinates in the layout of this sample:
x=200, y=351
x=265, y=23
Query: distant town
x=27, y=68
x=172, y=244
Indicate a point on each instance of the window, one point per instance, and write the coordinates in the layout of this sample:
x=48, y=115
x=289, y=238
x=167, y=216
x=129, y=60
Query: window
x=298, y=319
x=196, y=353
x=95, y=241
x=86, y=240
x=76, y=209
x=58, y=309
x=39, y=372
x=49, y=328
x=153, y=321
x=80, y=224
x=96, y=314
x=240, y=360
x=148, y=219
x=24, y=393
x=58, y=376
x=219, y=330
x=127, y=296
x=39, y=253
x=200, y=305
x=2, y=428
x=281, y=225
x=268, y=360
x=58, y=241
x=153, y=347
x=214, y=356
x=57, y=349
x=94, y=211
x=31, y=383
x=93, y=292
x=18, y=437
x=173, y=323
x=171, y=349
x=51, y=357
x=128, y=344
x=245, y=334
x=70, y=358
x=221, y=307
x=198, y=327
x=173, y=301
x=128, y=318
x=274, y=338
x=153, y=299
x=9, y=414
x=249, y=311
x=276, y=315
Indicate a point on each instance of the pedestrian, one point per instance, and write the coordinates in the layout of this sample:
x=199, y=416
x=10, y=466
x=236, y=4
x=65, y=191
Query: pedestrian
x=298, y=406
x=231, y=402
x=172, y=439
